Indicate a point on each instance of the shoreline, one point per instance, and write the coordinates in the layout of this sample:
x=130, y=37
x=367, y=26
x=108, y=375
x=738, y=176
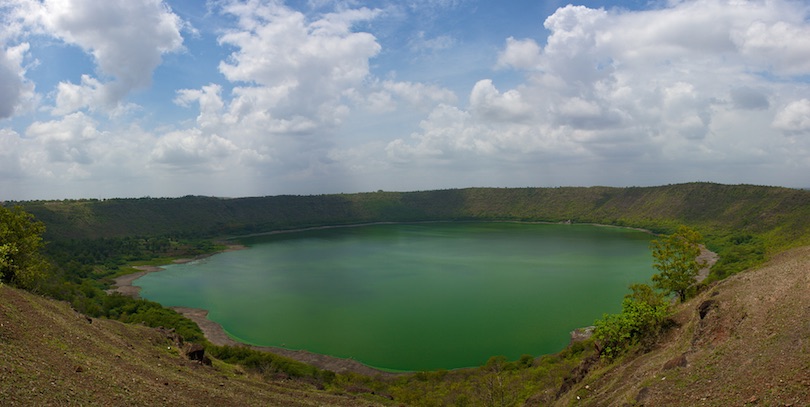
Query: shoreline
x=354, y=225
x=215, y=333
x=217, y=336
x=124, y=284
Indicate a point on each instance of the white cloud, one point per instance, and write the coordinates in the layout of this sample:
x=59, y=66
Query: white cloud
x=210, y=104
x=192, y=148
x=295, y=72
x=794, y=118
x=278, y=47
x=9, y=154
x=386, y=96
x=691, y=90
x=520, y=54
x=67, y=140
x=126, y=39
x=489, y=103
x=15, y=89
x=776, y=45
x=639, y=89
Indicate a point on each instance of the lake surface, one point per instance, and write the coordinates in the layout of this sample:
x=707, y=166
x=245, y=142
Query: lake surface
x=414, y=296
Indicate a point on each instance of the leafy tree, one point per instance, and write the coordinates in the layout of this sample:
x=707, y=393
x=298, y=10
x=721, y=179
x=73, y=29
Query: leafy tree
x=676, y=257
x=20, y=242
x=643, y=314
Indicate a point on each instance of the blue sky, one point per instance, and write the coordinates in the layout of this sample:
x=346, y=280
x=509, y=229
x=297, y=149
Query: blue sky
x=136, y=98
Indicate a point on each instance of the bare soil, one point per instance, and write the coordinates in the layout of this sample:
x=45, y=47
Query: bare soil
x=52, y=355
x=744, y=341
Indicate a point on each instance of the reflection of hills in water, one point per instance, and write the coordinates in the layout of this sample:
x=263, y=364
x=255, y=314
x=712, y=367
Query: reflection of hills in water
x=414, y=296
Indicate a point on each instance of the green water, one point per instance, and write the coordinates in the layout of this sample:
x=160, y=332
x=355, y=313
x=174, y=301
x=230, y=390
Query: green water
x=414, y=296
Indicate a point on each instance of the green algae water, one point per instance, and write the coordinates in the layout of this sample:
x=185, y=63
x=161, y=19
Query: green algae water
x=413, y=296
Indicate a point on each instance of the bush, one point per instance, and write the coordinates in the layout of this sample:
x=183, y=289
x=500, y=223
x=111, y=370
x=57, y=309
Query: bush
x=21, y=263
x=644, y=312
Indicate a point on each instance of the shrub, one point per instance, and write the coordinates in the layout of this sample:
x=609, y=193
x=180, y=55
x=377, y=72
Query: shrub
x=644, y=312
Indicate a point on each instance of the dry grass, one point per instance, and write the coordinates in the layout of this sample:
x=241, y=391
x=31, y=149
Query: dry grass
x=52, y=355
x=744, y=341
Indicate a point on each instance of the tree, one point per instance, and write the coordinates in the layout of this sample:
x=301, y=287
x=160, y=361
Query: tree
x=676, y=257
x=20, y=242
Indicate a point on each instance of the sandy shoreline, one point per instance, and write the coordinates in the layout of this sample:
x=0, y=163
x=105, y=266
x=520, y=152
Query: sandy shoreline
x=217, y=335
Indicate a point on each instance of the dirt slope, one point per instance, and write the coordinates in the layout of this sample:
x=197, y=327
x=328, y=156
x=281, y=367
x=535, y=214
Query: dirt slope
x=51, y=355
x=745, y=341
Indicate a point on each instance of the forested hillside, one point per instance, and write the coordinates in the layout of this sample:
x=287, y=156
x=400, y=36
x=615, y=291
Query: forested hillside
x=742, y=222
x=744, y=208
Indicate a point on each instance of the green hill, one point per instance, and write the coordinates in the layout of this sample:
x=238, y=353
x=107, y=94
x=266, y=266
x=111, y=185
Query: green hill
x=746, y=208
x=740, y=222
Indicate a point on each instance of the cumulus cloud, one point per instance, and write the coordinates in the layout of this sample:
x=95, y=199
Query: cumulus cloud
x=278, y=48
x=794, y=118
x=671, y=84
x=689, y=90
x=191, y=148
x=14, y=87
x=68, y=140
x=520, y=54
x=9, y=154
x=295, y=77
x=488, y=102
x=386, y=96
x=126, y=39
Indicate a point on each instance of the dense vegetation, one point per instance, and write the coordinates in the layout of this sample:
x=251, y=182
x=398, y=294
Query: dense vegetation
x=90, y=241
x=21, y=262
x=743, y=223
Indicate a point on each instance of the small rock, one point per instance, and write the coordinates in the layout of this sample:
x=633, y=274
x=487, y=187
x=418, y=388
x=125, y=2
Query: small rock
x=753, y=400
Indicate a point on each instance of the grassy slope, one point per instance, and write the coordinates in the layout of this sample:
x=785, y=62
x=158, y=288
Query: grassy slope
x=752, y=346
x=51, y=355
x=778, y=213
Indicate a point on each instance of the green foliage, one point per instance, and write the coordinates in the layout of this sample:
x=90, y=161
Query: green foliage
x=130, y=310
x=643, y=314
x=676, y=260
x=21, y=262
x=267, y=363
x=737, y=252
x=499, y=382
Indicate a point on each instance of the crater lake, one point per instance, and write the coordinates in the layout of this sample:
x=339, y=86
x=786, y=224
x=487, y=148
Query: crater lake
x=419, y=296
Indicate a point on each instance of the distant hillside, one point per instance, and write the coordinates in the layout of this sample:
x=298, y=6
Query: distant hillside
x=52, y=355
x=780, y=213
